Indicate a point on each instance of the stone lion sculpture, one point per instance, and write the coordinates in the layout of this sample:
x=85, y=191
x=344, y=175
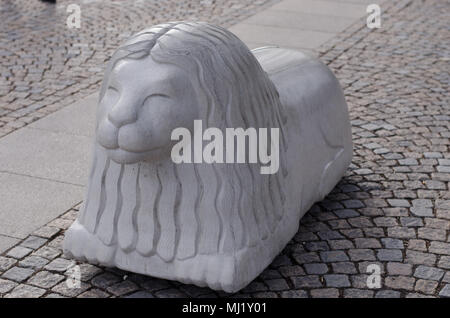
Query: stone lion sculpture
x=216, y=225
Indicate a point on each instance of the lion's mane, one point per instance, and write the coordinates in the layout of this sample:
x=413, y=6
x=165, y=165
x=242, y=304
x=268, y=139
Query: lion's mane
x=180, y=211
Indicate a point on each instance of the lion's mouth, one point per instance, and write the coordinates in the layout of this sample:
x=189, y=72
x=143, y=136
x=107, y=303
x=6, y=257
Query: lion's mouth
x=116, y=148
x=122, y=156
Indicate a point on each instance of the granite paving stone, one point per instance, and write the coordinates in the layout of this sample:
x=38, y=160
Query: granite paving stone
x=6, y=286
x=400, y=282
x=18, y=274
x=33, y=242
x=389, y=255
x=59, y=265
x=316, y=268
x=64, y=289
x=325, y=293
x=399, y=269
x=45, y=279
x=426, y=286
x=34, y=262
x=358, y=293
x=337, y=280
x=18, y=252
x=26, y=291
x=387, y=294
x=445, y=292
x=426, y=272
x=98, y=293
x=392, y=243
x=6, y=263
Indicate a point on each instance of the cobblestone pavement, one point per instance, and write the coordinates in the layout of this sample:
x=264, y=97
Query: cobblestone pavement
x=44, y=65
x=391, y=209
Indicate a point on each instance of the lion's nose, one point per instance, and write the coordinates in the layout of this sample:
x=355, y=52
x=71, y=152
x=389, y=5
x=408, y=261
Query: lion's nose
x=107, y=134
x=123, y=113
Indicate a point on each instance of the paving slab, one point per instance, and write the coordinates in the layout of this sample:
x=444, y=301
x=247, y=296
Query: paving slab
x=299, y=22
x=77, y=118
x=285, y=37
x=252, y=45
x=28, y=203
x=322, y=7
x=45, y=154
x=366, y=2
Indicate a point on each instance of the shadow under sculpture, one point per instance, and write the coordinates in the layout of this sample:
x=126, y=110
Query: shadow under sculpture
x=218, y=225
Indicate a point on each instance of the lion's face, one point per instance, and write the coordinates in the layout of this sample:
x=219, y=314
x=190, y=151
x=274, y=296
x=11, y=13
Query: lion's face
x=143, y=102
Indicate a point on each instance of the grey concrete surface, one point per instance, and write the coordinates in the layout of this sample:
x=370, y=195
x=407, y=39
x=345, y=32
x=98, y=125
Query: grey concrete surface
x=323, y=7
x=76, y=119
x=301, y=24
x=262, y=35
x=44, y=154
x=28, y=203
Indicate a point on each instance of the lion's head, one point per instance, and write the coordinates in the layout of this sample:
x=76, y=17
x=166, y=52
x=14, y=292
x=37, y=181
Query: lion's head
x=166, y=76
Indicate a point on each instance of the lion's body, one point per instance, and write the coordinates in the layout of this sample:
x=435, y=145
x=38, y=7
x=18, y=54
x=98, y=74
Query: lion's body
x=220, y=225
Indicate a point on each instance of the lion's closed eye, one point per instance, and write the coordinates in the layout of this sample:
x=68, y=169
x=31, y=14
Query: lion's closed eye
x=112, y=94
x=155, y=98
